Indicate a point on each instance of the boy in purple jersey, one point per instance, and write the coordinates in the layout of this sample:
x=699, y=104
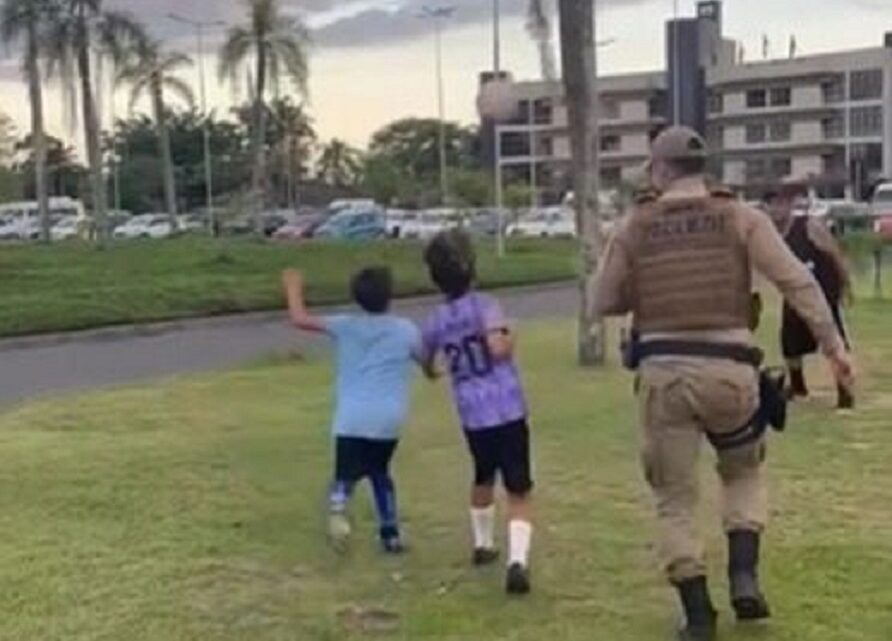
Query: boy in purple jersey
x=471, y=332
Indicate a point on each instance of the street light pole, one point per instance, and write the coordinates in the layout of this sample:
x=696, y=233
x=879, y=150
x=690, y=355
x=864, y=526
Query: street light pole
x=497, y=132
x=676, y=64
x=200, y=27
x=438, y=14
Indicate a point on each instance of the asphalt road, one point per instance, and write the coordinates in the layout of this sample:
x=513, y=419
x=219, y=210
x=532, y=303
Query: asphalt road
x=68, y=363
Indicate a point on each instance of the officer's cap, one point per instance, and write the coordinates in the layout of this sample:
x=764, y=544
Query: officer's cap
x=678, y=143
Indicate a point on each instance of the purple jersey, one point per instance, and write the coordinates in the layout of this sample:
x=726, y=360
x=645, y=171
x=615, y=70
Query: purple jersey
x=487, y=393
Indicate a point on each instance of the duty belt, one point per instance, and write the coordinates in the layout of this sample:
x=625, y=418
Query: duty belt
x=738, y=353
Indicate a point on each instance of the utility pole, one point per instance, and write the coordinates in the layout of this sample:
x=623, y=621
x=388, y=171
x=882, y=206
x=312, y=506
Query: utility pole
x=497, y=132
x=200, y=27
x=438, y=15
x=577, y=20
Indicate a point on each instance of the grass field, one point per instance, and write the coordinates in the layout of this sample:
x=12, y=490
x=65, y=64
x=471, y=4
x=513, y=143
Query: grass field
x=191, y=510
x=75, y=286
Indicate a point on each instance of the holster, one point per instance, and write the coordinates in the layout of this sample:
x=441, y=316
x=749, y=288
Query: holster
x=772, y=410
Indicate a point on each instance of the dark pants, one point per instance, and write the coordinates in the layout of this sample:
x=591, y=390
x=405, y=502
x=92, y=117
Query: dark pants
x=359, y=458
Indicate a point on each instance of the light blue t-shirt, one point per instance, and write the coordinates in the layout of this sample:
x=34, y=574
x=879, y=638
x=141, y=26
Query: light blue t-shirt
x=374, y=357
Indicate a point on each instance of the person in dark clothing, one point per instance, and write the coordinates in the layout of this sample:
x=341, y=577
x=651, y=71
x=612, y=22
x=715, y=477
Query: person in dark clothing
x=813, y=243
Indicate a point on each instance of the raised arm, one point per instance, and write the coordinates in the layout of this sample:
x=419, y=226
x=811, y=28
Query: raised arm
x=293, y=284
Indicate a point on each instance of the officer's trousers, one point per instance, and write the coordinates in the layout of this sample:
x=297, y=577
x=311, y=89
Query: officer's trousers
x=680, y=401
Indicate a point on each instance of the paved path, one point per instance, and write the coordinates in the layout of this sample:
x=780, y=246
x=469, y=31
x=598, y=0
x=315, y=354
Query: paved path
x=52, y=365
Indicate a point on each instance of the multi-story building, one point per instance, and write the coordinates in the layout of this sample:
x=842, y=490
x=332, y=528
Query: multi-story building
x=827, y=117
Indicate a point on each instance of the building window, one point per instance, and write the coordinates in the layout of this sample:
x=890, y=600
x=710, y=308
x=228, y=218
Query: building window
x=657, y=106
x=611, y=176
x=545, y=146
x=834, y=90
x=756, y=170
x=780, y=131
x=609, y=109
x=866, y=84
x=834, y=128
x=756, y=134
x=780, y=167
x=542, y=112
x=610, y=143
x=715, y=136
x=756, y=98
x=781, y=97
x=715, y=102
x=866, y=121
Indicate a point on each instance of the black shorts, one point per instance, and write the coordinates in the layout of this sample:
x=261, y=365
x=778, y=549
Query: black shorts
x=505, y=451
x=357, y=458
x=797, y=339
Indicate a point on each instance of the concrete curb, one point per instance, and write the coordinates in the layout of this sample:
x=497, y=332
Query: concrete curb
x=146, y=330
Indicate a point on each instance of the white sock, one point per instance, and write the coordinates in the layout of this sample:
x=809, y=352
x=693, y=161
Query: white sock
x=483, y=521
x=519, y=535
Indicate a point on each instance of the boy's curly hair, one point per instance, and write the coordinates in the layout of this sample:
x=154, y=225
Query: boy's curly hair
x=451, y=262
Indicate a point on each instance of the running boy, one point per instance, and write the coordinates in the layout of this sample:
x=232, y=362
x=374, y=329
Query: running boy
x=471, y=332
x=374, y=354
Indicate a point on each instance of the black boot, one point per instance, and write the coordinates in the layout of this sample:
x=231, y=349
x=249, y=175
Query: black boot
x=700, y=616
x=846, y=401
x=743, y=562
x=798, y=388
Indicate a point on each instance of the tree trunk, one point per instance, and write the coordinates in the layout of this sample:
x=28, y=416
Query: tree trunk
x=38, y=134
x=170, y=189
x=578, y=58
x=91, y=130
x=258, y=171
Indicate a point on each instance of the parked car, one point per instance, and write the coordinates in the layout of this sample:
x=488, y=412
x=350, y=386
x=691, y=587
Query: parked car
x=301, y=229
x=485, y=222
x=145, y=226
x=429, y=223
x=67, y=228
x=189, y=223
x=553, y=222
x=355, y=224
x=881, y=203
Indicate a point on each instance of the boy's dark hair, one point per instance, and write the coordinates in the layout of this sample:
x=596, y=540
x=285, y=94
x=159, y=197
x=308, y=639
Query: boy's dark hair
x=372, y=289
x=451, y=262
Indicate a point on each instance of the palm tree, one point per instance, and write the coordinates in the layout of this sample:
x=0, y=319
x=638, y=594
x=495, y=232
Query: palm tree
x=81, y=30
x=578, y=58
x=293, y=140
x=338, y=164
x=25, y=20
x=150, y=71
x=277, y=45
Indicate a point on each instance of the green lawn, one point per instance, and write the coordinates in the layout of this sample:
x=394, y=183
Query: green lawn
x=75, y=286
x=191, y=510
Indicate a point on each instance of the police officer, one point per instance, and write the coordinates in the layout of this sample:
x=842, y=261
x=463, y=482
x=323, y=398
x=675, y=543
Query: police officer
x=680, y=263
x=815, y=246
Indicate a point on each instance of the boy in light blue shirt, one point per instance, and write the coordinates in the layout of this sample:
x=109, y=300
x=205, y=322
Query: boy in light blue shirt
x=374, y=354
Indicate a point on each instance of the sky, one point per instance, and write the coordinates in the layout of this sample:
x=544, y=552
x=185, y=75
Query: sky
x=372, y=61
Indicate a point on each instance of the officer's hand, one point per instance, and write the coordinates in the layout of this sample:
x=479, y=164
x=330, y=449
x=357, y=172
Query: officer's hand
x=843, y=368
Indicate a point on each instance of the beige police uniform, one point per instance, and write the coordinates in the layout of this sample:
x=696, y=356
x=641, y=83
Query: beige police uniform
x=681, y=265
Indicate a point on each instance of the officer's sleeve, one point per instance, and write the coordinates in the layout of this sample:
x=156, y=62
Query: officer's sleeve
x=609, y=290
x=824, y=241
x=771, y=257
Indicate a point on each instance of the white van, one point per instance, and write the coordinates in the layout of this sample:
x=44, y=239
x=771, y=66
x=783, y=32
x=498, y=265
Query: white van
x=25, y=216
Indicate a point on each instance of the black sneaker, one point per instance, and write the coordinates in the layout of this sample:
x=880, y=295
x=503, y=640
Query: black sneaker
x=518, y=579
x=484, y=556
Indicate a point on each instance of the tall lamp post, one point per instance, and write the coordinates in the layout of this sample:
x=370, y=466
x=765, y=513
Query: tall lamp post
x=200, y=26
x=438, y=14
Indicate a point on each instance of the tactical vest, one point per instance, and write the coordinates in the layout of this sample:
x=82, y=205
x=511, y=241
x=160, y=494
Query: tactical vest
x=690, y=268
